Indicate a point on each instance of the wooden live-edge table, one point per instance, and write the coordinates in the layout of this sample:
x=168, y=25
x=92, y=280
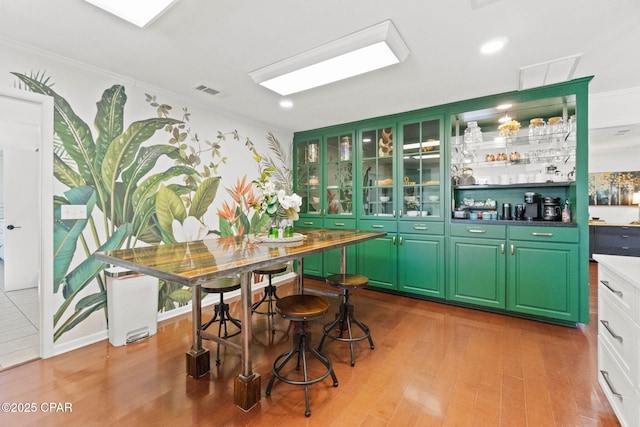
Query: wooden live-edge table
x=195, y=263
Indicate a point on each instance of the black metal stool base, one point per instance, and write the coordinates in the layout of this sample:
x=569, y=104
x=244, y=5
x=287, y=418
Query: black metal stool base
x=301, y=347
x=222, y=315
x=343, y=323
x=269, y=297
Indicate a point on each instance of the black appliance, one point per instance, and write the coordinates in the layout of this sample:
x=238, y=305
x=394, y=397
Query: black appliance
x=551, y=209
x=506, y=211
x=519, y=212
x=532, y=211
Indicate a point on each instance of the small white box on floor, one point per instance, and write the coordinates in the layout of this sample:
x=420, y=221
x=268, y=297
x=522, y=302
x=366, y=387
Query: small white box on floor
x=132, y=305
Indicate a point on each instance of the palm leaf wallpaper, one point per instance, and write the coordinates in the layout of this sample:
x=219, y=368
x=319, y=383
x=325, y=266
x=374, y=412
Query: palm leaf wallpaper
x=118, y=169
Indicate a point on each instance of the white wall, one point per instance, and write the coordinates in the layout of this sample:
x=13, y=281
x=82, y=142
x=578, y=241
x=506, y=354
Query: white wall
x=613, y=110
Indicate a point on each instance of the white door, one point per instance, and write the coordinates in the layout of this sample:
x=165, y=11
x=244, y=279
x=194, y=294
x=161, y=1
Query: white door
x=19, y=141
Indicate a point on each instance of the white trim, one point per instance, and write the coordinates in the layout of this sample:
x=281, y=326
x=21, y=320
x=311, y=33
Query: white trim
x=45, y=288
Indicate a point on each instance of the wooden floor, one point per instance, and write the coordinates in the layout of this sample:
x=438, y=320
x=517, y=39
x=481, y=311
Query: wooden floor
x=433, y=364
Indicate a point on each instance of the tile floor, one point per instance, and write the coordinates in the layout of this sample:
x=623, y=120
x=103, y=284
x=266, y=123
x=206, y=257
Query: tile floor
x=19, y=313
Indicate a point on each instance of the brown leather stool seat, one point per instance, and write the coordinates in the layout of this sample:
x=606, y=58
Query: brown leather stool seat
x=345, y=318
x=221, y=310
x=299, y=309
x=269, y=297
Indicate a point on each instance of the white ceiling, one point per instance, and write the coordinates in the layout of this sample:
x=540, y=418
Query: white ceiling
x=217, y=43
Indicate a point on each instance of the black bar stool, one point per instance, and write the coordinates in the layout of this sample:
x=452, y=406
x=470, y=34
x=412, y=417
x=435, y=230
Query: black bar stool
x=269, y=297
x=221, y=310
x=345, y=318
x=299, y=309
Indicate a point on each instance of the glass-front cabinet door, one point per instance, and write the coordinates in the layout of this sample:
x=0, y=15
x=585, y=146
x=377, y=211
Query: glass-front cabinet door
x=309, y=183
x=421, y=166
x=377, y=145
x=338, y=195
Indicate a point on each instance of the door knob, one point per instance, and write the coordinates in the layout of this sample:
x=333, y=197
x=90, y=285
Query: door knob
x=11, y=227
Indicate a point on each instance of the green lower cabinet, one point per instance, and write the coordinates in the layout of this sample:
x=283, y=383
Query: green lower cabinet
x=377, y=259
x=332, y=261
x=542, y=279
x=313, y=265
x=477, y=272
x=421, y=265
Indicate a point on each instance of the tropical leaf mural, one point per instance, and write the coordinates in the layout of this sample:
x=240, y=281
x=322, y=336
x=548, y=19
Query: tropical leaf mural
x=112, y=168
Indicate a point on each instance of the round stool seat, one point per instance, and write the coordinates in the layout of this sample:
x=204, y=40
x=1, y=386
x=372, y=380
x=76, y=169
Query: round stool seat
x=219, y=286
x=302, y=307
x=272, y=269
x=347, y=281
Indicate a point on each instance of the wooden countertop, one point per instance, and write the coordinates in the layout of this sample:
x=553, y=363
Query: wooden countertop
x=197, y=262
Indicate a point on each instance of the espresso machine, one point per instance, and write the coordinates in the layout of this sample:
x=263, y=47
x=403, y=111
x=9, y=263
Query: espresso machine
x=532, y=210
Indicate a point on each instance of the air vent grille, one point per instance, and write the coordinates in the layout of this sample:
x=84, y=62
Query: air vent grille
x=207, y=89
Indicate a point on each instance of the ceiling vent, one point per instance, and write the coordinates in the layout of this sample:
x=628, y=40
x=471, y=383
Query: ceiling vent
x=207, y=89
x=545, y=73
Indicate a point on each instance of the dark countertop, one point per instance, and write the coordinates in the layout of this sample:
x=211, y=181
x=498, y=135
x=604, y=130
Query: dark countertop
x=540, y=223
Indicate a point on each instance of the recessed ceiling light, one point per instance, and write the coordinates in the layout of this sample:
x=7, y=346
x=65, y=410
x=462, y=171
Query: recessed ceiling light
x=366, y=50
x=138, y=12
x=493, y=45
x=286, y=103
x=504, y=106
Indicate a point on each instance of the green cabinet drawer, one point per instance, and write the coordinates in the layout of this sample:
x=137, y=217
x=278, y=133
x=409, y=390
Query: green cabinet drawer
x=421, y=227
x=479, y=230
x=309, y=222
x=544, y=234
x=347, y=224
x=373, y=225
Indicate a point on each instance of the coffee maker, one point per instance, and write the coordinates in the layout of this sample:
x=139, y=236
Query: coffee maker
x=532, y=206
x=551, y=210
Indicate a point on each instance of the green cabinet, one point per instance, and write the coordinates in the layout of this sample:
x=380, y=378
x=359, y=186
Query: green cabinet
x=477, y=266
x=543, y=270
x=542, y=279
x=410, y=174
x=421, y=264
x=323, y=165
x=531, y=270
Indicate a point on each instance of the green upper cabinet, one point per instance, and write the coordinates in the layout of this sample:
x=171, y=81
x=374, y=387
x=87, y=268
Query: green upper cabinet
x=377, y=153
x=339, y=162
x=421, y=169
x=308, y=179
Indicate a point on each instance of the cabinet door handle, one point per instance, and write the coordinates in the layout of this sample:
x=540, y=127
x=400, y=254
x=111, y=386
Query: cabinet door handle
x=400, y=240
x=624, y=236
x=339, y=224
x=605, y=375
x=606, y=285
x=394, y=213
x=420, y=227
x=605, y=323
x=308, y=223
x=400, y=213
x=475, y=230
x=502, y=248
x=512, y=250
x=393, y=240
x=626, y=248
x=377, y=226
x=536, y=233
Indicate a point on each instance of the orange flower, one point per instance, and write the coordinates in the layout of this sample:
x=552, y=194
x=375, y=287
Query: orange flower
x=228, y=212
x=240, y=190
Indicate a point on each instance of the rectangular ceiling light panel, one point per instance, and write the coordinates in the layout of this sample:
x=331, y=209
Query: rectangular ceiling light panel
x=138, y=12
x=370, y=49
